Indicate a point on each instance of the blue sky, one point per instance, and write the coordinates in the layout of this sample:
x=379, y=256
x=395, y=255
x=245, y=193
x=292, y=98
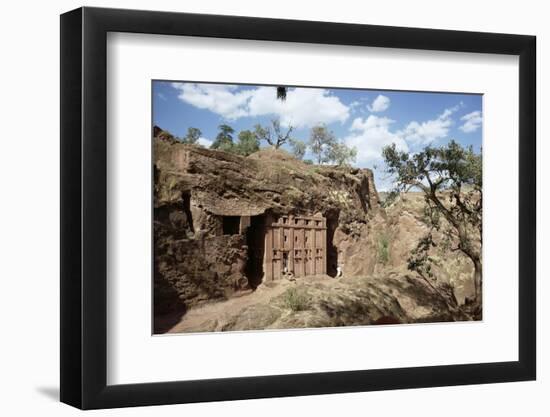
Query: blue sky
x=365, y=119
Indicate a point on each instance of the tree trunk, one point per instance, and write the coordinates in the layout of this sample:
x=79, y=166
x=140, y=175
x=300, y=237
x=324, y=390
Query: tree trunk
x=478, y=281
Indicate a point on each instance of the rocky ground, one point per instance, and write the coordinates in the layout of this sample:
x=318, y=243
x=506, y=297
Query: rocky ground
x=323, y=301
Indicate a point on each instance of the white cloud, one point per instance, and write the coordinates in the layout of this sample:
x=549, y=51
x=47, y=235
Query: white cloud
x=472, y=121
x=358, y=106
x=354, y=106
x=370, y=135
x=379, y=104
x=221, y=99
x=426, y=132
x=205, y=142
x=303, y=107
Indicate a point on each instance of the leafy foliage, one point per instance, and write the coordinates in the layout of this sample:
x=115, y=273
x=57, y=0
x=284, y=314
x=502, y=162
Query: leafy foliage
x=451, y=179
x=192, y=136
x=247, y=144
x=224, y=139
x=327, y=148
x=340, y=154
x=420, y=261
x=320, y=138
x=298, y=148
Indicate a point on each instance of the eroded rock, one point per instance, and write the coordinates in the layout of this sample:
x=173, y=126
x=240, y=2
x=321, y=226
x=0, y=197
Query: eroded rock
x=206, y=203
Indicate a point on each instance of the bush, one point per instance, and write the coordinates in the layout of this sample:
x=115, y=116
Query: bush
x=296, y=300
x=384, y=249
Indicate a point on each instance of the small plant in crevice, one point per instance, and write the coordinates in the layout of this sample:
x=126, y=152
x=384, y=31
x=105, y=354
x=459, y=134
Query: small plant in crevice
x=384, y=249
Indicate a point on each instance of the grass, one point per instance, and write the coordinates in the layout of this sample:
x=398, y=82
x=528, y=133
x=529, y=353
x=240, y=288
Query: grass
x=296, y=300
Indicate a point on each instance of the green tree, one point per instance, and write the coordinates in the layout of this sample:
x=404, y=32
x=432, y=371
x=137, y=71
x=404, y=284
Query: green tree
x=298, y=148
x=273, y=134
x=248, y=143
x=192, y=136
x=450, y=178
x=340, y=154
x=224, y=139
x=320, y=139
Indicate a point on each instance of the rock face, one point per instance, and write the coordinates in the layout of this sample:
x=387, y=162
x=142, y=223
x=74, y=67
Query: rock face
x=210, y=213
x=199, y=270
x=404, y=227
x=209, y=207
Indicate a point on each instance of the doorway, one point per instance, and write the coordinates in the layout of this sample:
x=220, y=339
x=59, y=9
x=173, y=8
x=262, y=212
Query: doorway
x=255, y=241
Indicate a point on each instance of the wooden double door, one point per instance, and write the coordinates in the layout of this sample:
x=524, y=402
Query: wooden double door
x=295, y=245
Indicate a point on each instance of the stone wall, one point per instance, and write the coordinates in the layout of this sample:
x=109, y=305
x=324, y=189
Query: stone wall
x=191, y=271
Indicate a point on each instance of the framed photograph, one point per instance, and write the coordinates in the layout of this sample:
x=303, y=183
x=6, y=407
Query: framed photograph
x=256, y=208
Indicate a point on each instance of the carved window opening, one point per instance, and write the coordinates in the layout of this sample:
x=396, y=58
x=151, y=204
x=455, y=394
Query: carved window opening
x=231, y=225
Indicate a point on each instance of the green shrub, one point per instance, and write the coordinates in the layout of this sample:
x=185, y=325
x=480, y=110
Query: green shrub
x=296, y=300
x=384, y=249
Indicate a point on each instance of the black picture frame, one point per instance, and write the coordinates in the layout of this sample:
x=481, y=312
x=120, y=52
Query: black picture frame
x=84, y=207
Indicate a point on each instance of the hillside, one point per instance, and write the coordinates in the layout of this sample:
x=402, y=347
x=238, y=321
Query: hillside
x=213, y=212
